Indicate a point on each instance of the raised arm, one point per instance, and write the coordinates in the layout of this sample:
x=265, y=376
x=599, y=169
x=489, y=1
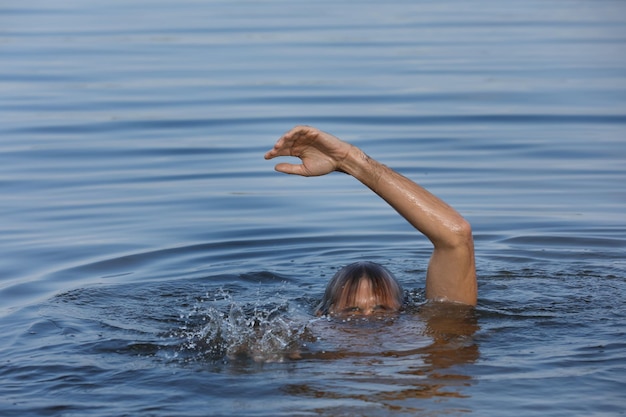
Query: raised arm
x=451, y=272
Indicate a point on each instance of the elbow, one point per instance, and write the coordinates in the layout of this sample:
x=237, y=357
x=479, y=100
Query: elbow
x=464, y=230
x=459, y=234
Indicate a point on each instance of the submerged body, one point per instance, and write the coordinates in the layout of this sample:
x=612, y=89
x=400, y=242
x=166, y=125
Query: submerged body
x=451, y=275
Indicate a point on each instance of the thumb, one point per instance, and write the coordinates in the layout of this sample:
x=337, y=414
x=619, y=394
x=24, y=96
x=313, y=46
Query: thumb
x=292, y=169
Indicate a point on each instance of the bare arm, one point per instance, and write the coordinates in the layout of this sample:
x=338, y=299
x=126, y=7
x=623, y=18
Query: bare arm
x=451, y=272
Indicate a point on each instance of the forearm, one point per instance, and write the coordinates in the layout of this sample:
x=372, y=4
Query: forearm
x=439, y=222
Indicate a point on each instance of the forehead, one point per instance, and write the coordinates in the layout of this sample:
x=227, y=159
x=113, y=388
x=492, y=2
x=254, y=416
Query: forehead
x=364, y=291
x=364, y=295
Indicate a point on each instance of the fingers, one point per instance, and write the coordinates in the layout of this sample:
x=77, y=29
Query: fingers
x=285, y=146
x=278, y=151
x=273, y=153
x=270, y=154
x=281, y=148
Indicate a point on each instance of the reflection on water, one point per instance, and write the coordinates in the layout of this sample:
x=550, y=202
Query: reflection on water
x=393, y=363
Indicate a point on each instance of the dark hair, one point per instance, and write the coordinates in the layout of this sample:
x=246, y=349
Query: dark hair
x=342, y=288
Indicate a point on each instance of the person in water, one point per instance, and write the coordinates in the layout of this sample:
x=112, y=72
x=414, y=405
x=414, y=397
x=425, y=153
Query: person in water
x=365, y=288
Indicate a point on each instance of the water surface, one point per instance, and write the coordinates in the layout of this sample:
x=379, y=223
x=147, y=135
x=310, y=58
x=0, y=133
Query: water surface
x=154, y=264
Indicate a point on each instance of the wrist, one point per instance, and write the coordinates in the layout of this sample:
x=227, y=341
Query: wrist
x=355, y=162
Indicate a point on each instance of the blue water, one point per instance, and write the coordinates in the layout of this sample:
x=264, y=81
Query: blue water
x=153, y=263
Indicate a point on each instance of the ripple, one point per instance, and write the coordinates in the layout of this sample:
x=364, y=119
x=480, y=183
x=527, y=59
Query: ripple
x=143, y=125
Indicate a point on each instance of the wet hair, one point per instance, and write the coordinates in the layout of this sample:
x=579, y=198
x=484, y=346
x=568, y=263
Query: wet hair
x=343, y=287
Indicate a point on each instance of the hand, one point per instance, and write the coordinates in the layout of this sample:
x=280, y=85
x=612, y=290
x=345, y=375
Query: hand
x=320, y=152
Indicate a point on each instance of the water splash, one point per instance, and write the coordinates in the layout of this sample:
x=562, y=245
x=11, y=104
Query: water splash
x=217, y=327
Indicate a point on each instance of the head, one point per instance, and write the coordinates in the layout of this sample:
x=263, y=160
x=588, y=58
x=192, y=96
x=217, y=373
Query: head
x=361, y=288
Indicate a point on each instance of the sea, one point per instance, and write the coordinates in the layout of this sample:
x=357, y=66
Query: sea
x=152, y=263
